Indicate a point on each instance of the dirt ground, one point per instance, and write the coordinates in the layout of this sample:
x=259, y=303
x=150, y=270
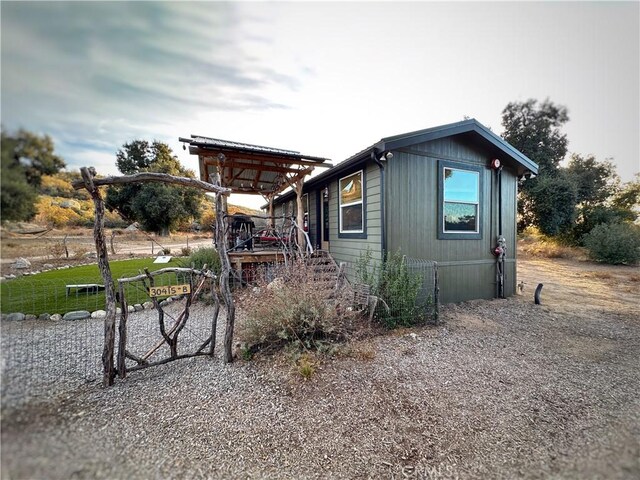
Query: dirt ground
x=503, y=389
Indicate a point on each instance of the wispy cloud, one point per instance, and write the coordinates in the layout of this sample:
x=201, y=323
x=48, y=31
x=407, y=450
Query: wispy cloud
x=78, y=70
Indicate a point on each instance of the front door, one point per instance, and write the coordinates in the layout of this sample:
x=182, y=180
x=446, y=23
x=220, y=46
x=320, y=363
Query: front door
x=324, y=219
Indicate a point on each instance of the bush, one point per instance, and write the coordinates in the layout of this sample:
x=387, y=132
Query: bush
x=396, y=285
x=615, y=243
x=203, y=256
x=292, y=311
x=592, y=216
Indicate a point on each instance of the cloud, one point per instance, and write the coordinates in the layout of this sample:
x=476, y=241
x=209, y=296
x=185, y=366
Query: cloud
x=101, y=73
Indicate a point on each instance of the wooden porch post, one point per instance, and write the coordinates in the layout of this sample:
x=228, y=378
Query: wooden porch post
x=300, y=215
x=272, y=220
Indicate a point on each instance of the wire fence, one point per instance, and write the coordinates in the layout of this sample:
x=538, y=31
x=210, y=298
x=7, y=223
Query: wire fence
x=33, y=296
x=40, y=359
x=406, y=288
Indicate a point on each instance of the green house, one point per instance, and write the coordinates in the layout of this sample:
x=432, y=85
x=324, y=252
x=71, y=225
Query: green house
x=445, y=193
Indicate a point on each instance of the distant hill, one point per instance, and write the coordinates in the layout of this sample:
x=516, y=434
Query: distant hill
x=59, y=205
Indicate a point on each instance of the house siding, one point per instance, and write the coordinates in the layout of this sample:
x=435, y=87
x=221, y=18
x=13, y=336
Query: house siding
x=349, y=249
x=467, y=267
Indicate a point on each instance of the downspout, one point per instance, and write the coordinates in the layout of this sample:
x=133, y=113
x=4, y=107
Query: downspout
x=500, y=251
x=502, y=243
x=383, y=200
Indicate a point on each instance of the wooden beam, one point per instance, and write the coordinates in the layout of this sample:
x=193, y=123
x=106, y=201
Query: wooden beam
x=257, y=157
x=256, y=179
x=251, y=166
x=154, y=177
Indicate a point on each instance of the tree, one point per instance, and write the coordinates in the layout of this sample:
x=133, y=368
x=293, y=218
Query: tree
x=595, y=181
x=628, y=197
x=534, y=129
x=555, y=197
x=26, y=157
x=157, y=207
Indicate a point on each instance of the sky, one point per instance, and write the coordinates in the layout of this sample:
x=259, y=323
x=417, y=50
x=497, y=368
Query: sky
x=325, y=79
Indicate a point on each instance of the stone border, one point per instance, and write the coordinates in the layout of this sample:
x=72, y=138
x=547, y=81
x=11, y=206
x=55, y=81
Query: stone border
x=84, y=314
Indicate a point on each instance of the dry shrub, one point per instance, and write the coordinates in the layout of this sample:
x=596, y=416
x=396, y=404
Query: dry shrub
x=600, y=275
x=289, y=307
x=534, y=243
x=634, y=278
x=365, y=353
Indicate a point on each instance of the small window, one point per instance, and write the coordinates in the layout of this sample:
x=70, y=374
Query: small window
x=351, y=204
x=460, y=200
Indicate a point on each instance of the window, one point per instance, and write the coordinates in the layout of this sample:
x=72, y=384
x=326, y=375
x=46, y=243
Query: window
x=351, y=204
x=460, y=200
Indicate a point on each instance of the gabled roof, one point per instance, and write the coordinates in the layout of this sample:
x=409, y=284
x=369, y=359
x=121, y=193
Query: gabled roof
x=247, y=168
x=451, y=129
x=470, y=127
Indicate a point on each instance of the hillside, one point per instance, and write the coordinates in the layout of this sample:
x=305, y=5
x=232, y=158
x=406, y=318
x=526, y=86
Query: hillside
x=60, y=206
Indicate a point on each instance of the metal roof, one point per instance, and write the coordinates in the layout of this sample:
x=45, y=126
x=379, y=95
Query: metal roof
x=248, y=168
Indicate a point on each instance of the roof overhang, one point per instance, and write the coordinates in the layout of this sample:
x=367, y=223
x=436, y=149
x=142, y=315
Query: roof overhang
x=250, y=169
x=470, y=129
x=467, y=128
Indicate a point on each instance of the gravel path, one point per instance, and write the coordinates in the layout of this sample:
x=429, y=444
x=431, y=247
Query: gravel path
x=505, y=389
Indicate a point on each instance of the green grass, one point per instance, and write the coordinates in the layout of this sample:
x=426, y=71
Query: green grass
x=46, y=293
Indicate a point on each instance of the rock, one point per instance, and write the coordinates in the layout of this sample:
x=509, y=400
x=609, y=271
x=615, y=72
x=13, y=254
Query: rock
x=10, y=276
x=30, y=317
x=118, y=310
x=2, y=279
x=56, y=317
x=277, y=283
x=77, y=315
x=44, y=316
x=90, y=255
x=147, y=305
x=98, y=314
x=13, y=317
x=47, y=266
x=22, y=263
x=130, y=309
x=72, y=204
x=138, y=308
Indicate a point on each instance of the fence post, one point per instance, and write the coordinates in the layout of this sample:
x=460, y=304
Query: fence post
x=436, y=294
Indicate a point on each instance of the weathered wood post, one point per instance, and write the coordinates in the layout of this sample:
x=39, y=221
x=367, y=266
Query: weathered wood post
x=122, y=333
x=225, y=289
x=109, y=289
x=272, y=221
x=300, y=215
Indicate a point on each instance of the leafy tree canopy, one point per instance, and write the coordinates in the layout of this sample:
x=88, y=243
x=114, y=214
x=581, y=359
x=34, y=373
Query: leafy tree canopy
x=534, y=129
x=35, y=153
x=595, y=181
x=628, y=197
x=157, y=207
x=26, y=157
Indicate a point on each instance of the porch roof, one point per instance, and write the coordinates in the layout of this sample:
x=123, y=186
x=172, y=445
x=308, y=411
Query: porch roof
x=250, y=169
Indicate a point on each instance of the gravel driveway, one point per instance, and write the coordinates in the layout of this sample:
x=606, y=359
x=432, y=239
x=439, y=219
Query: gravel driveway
x=504, y=389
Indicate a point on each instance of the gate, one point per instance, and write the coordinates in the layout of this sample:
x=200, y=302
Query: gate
x=173, y=292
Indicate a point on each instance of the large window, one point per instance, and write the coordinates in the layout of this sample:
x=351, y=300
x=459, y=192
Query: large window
x=460, y=200
x=351, y=204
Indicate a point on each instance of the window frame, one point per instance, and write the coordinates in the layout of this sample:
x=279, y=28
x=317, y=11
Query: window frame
x=362, y=233
x=457, y=234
